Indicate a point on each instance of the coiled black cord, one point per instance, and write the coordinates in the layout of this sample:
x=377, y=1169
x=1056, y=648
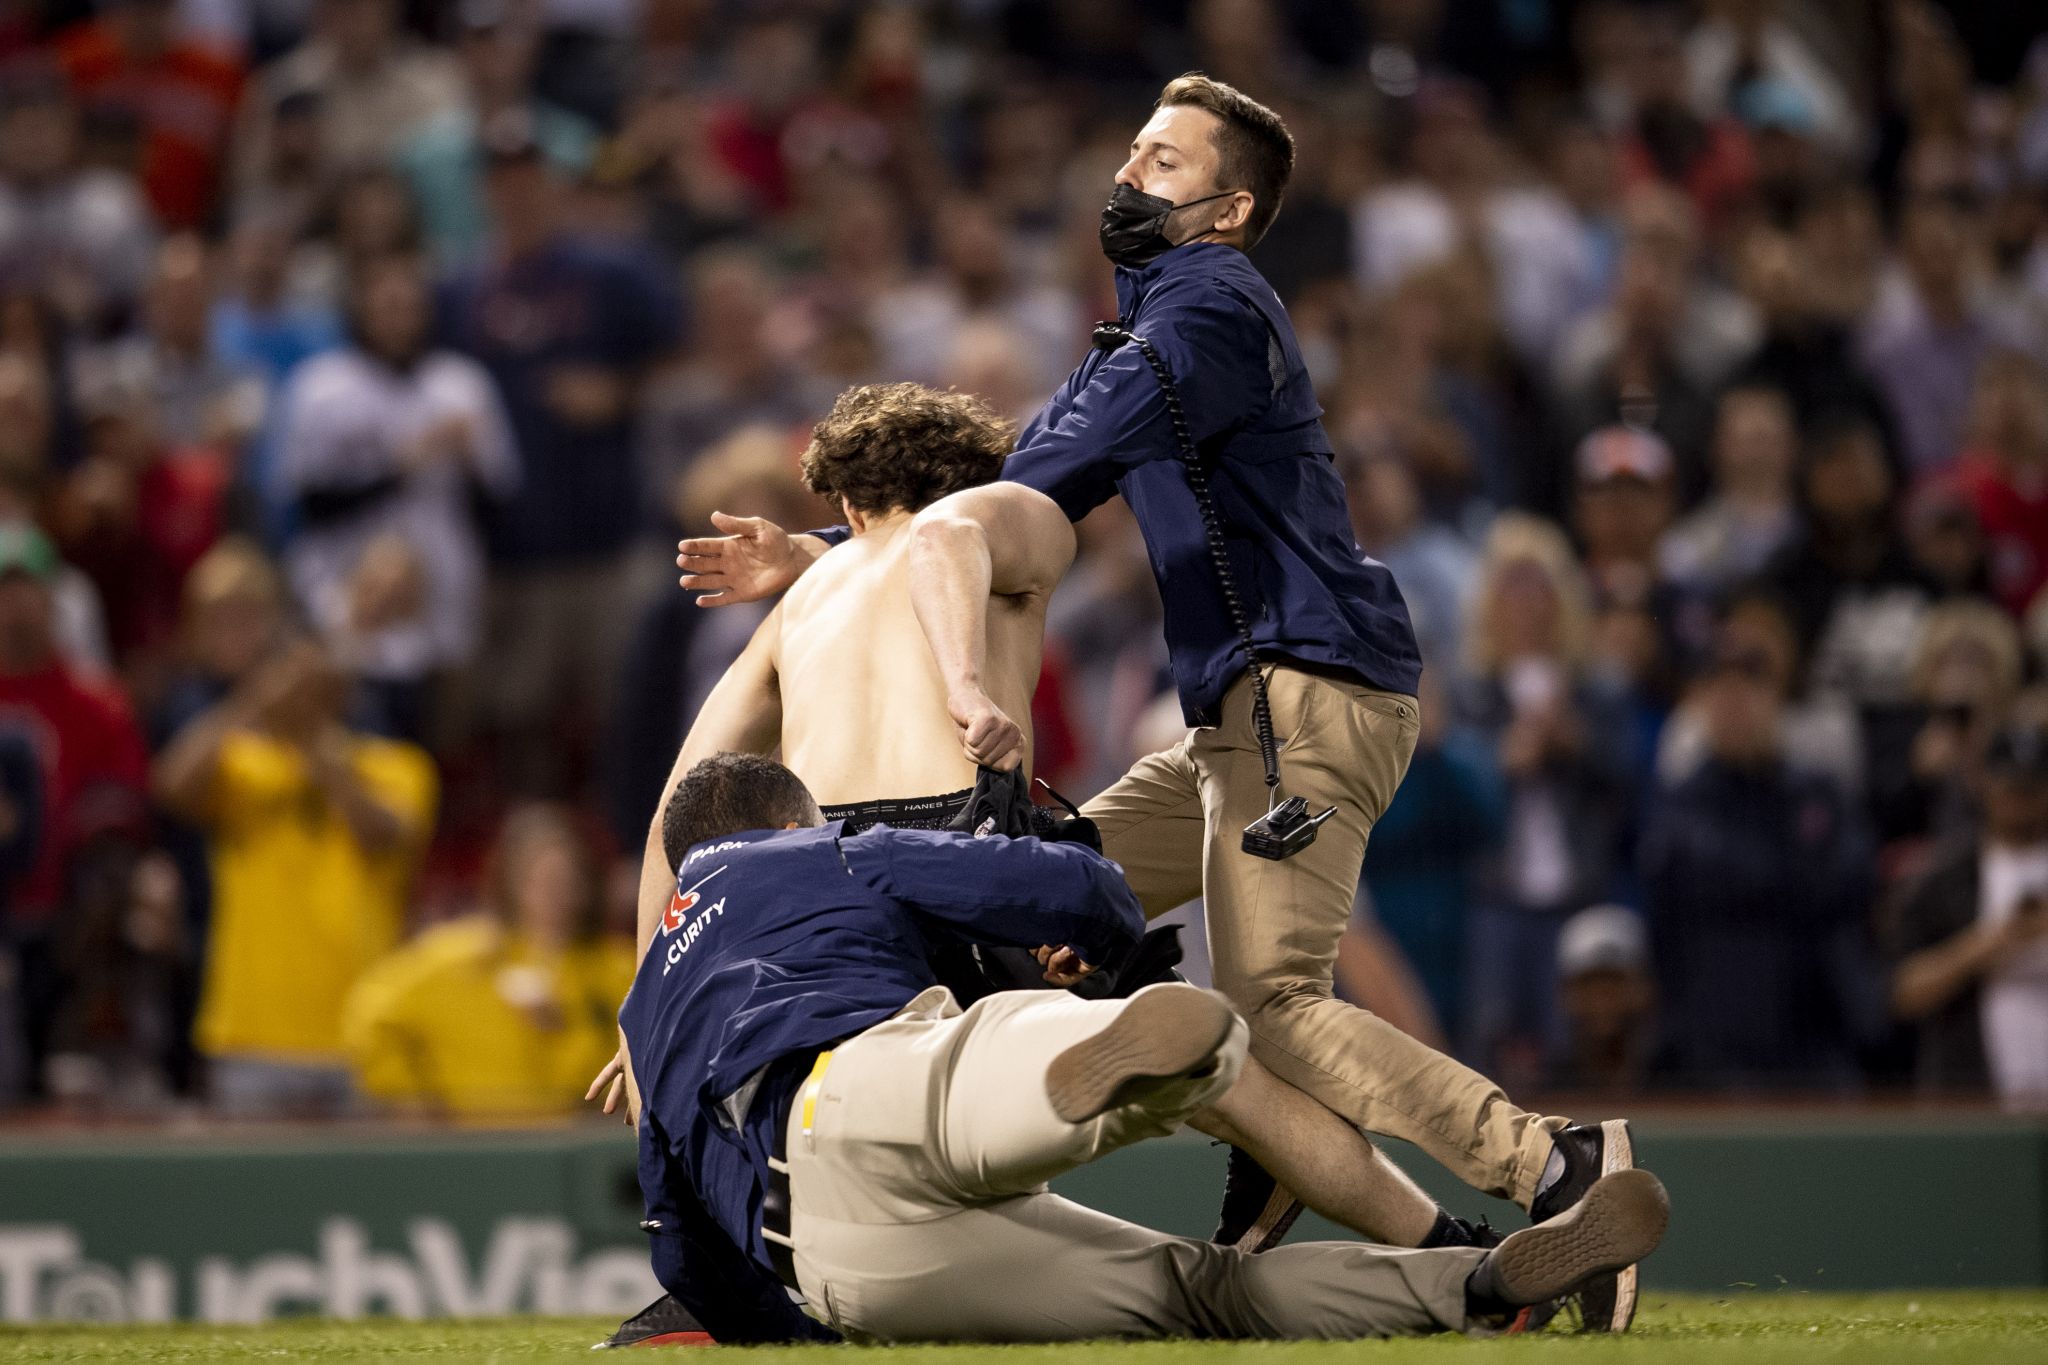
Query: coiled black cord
x=1109, y=336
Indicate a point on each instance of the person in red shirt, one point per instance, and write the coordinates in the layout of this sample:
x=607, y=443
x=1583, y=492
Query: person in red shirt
x=182, y=96
x=2003, y=471
x=93, y=761
x=95, y=764
x=135, y=514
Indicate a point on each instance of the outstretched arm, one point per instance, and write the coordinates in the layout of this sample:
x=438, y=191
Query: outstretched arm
x=743, y=714
x=754, y=559
x=1001, y=539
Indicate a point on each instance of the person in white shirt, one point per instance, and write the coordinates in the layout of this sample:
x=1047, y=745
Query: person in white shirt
x=386, y=447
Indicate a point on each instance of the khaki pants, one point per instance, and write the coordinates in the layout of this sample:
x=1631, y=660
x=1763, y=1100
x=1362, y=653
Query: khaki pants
x=1174, y=821
x=919, y=1210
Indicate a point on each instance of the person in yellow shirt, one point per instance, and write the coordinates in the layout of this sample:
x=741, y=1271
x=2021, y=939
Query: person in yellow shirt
x=502, y=1015
x=314, y=833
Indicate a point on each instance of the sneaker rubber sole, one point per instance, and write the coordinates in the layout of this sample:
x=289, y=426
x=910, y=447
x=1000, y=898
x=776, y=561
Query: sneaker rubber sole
x=1611, y=1307
x=1620, y=1221
x=1165, y=1033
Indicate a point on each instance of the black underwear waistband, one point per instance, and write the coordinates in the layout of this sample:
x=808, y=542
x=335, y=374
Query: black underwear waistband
x=910, y=812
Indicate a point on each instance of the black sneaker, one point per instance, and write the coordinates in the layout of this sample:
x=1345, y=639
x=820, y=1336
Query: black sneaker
x=1620, y=1220
x=1592, y=1152
x=1257, y=1210
x=661, y=1323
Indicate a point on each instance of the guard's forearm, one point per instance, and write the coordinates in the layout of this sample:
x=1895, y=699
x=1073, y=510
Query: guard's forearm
x=950, y=574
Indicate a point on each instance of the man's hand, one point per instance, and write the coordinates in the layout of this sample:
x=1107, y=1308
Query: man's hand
x=987, y=734
x=1063, y=966
x=754, y=559
x=612, y=1081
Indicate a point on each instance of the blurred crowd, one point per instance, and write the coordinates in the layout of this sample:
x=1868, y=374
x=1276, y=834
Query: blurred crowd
x=361, y=361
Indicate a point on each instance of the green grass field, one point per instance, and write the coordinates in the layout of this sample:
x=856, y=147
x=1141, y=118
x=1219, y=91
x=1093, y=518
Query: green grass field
x=1748, y=1329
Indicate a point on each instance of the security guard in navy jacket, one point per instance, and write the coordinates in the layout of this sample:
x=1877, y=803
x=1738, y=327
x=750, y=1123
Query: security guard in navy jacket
x=814, y=1109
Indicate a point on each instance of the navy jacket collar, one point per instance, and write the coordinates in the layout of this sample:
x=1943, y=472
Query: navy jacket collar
x=1190, y=258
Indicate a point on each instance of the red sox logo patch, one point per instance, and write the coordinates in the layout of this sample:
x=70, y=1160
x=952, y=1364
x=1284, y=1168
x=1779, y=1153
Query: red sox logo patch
x=680, y=903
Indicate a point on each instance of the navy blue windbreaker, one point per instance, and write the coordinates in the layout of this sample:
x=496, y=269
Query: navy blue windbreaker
x=1309, y=591
x=780, y=943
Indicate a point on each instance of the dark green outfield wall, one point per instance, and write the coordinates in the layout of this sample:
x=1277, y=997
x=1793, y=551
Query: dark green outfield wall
x=232, y=1229
x=1889, y=1203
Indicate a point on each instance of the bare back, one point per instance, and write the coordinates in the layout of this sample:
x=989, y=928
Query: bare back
x=864, y=708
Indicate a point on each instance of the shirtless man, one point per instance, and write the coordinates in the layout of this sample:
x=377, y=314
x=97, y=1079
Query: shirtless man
x=841, y=678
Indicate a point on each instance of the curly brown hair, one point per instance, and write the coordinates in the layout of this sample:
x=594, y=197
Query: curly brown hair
x=889, y=446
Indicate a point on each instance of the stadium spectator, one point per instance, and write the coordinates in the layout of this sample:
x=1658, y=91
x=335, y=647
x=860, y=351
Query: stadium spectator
x=1856, y=596
x=372, y=87
x=1622, y=505
x=1609, y=1000
x=1459, y=186
x=1806, y=352
x=1751, y=513
x=178, y=95
x=259, y=323
x=93, y=766
x=1945, y=539
x=135, y=514
x=1925, y=341
x=1432, y=563
x=1740, y=46
x=386, y=447
x=1967, y=940
x=1698, y=149
x=1445, y=819
x=292, y=176
x=1966, y=676
x=1562, y=756
x=127, y=962
x=2004, y=472
x=504, y=1014
x=497, y=43
x=919, y=323
x=568, y=328
x=730, y=377
x=315, y=832
x=85, y=232
x=197, y=397
x=1817, y=731
x=1758, y=879
x=1664, y=343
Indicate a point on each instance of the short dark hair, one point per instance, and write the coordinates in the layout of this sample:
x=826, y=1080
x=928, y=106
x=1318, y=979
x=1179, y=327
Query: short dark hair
x=728, y=793
x=885, y=446
x=1253, y=147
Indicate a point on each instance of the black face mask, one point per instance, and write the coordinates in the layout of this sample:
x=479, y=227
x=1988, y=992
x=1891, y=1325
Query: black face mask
x=1133, y=229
